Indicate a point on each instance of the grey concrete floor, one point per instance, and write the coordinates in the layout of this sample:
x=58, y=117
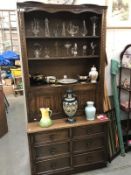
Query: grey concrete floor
x=14, y=155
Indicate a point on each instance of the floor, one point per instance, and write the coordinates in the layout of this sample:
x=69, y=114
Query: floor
x=14, y=155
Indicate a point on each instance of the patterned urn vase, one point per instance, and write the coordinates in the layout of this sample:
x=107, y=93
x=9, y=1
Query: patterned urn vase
x=70, y=105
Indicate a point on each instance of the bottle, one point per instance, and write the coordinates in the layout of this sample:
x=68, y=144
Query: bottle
x=93, y=74
x=90, y=110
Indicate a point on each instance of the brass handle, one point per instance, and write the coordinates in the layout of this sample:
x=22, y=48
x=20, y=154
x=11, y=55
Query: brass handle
x=89, y=158
x=51, y=137
x=53, y=165
x=52, y=150
x=88, y=130
x=88, y=143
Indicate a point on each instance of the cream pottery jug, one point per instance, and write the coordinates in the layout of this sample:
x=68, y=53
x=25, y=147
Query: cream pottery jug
x=45, y=119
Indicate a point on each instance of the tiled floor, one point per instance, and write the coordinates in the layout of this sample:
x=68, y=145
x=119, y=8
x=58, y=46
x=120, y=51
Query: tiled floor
x=14, y=155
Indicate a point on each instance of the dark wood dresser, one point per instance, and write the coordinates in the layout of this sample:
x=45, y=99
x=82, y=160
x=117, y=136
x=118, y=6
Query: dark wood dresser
x=58, y=40
x=67, y=148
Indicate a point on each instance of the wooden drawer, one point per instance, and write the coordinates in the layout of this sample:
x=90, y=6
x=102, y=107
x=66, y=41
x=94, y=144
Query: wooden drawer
x=90, y=158
x=87, y=130
x=51, y=150
x=89, y=144
x=52, y=165
x=51, y=136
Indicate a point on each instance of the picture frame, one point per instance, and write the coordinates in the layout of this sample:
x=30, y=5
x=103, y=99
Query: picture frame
x=118, y=13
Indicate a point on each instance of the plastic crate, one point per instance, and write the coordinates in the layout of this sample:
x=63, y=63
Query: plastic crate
x=16, y=72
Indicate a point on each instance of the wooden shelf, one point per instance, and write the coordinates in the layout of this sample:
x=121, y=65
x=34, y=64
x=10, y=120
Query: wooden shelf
x=61, y=37
x=125, y=109
x=33, y=127
x=125, y=89
x=64, y=58
x=78, y=85
x=18, y=89
x=127, y=68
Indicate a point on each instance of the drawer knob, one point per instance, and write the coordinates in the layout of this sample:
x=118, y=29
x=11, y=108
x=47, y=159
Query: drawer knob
x=51, y=137
x=53, y=165
x=88, y=130
x=89, y=158
x=88, y=143
x=52, y=150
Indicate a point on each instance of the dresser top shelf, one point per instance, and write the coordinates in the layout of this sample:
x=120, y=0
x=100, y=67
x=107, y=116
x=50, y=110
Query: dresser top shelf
x=34, y=127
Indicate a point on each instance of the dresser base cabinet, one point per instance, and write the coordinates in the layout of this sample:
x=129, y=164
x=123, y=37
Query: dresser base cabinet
x=67, y=148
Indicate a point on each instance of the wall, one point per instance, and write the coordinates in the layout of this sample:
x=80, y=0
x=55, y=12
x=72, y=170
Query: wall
x=116, y=38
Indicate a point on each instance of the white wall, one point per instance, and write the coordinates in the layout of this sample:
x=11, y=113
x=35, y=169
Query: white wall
x=116, y=40
x=8, y=4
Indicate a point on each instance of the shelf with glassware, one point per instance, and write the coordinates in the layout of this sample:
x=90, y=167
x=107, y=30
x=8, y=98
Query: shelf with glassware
x=125, y=94
x=61, y=52
x=62, y=25
x=62, y=49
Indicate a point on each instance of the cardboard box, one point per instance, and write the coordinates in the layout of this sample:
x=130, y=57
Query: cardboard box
x=8, y=90
x=8, y=81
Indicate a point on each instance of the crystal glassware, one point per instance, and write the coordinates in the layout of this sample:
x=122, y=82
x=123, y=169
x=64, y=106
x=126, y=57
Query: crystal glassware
x=72, y=29
x=47, y=32
x=47, y=53
x=56, y=48
x=56, y=30
x=67, y=46
x=37, y=50
x=84, y=29
x=63, y=33
x=94, y=24
x=35, y=27
x=74, y=50
x=93, y=46
x=84, y=50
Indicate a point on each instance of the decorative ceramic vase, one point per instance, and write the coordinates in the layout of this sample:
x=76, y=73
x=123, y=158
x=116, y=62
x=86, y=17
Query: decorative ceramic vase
x=90, y=110
x=93, y=74
x=70, y=105
x=45, y=120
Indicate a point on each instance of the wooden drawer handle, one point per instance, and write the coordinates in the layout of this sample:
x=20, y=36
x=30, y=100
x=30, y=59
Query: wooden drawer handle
x=52, y=150
x=89, y=158
x=88, y=143
x=88, y=130
x=51, y=137
x=53, y=165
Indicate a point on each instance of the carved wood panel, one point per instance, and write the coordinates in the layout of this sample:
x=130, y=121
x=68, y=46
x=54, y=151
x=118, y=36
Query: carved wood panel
x=53, y=100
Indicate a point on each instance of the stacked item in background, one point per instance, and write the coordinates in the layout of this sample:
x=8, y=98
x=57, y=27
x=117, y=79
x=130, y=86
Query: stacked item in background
x=113, y=138
x=11, y=73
